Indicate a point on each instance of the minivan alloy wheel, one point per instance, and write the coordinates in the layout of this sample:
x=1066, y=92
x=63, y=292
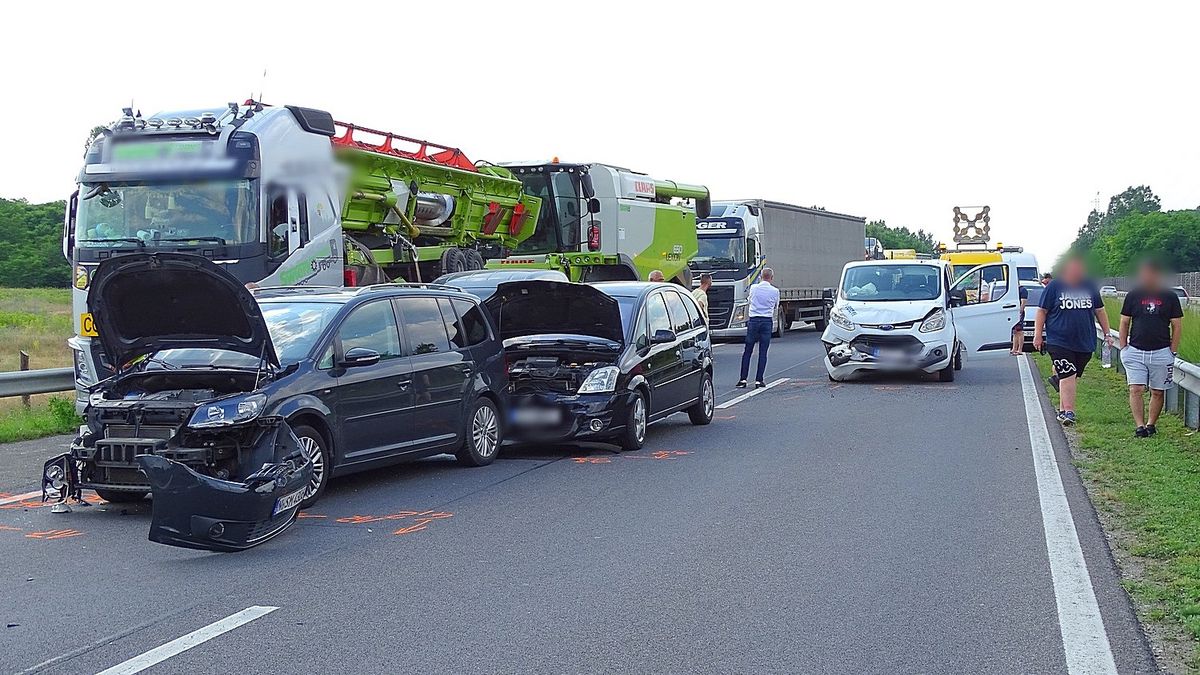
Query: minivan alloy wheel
x=639, y=419
x=312, y=452
x=485, y=431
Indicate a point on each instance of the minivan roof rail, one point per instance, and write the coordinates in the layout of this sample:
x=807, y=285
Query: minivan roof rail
x=435, y=287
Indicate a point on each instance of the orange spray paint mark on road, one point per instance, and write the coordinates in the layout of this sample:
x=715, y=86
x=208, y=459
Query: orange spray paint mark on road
x=54, y=534
x=310, y=515
x=592, y=460
x=421, y=519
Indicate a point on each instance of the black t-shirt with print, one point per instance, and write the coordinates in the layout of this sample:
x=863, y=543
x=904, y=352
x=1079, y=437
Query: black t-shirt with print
x=1151, y=312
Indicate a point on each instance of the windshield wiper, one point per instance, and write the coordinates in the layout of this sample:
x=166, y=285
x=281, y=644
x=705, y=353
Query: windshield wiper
x=126, y=240
x=217, y=240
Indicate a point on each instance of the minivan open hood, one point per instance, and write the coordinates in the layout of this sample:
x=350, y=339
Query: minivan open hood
x=145, y=302
x=537, y=307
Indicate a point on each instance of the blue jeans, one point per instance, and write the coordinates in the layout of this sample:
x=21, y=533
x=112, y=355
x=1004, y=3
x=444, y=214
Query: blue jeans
x=758, y=331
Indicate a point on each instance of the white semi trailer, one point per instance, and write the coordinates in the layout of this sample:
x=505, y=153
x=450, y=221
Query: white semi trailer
x=805, y=247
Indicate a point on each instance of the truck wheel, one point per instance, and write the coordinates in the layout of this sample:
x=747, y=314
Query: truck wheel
x=453, y=260
x=474, y=259
x=120, y=496
x=315, y=449
x=821, y=325
x=481, y=435
x=702, y=412
x=634, y=435
x=777, y=329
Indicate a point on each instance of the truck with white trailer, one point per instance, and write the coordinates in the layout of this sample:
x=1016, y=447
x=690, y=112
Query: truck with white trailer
x=806, y=248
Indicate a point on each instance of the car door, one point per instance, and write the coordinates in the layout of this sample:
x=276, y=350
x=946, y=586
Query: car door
x=662, y=361
x=373, y=402
x=984, y=307
x=686, y=384
x=440, y=374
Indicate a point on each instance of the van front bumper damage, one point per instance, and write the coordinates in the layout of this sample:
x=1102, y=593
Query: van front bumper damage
x=846, y=358
x=191, y=510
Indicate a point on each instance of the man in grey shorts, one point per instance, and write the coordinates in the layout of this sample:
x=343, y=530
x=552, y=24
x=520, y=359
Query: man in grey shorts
x=1151, y=319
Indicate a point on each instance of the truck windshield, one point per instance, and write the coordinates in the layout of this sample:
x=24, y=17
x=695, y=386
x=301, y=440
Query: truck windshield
x=558, y=223
x=169, y=214
x=718, y=253
x=876, y=283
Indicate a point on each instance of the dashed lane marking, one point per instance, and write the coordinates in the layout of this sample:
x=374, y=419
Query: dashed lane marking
x=754, y=392
x=181, y=644
x=13, y=499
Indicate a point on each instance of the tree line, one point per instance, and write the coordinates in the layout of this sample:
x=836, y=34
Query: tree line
x=901, y=237
x=31, y=238
x=1134, y=227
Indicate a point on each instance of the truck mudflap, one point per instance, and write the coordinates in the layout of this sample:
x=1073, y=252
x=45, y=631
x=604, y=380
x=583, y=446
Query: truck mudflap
x=195, y=511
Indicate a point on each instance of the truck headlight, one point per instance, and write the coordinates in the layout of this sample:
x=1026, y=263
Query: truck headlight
x=934, y=322
x=83, y=373
x=739, y=314
x=600, y=381
x=841, y=320
x=227, y=412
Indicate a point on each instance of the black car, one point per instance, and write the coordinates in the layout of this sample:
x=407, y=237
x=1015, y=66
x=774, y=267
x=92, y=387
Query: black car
x=210, y=378
x=601, y=362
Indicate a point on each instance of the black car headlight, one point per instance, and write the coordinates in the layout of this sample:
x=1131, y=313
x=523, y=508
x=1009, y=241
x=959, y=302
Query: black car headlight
x=225, y=412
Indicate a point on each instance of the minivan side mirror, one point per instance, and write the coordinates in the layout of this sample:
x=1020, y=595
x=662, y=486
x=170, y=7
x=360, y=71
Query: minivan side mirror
x=359, y=356
x=958, y=298
x=662, y=336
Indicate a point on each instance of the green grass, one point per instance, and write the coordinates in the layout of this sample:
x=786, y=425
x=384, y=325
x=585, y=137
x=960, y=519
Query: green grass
x=1189, y=346
x=45, y=418
x=38, y=321
x=1150, y=490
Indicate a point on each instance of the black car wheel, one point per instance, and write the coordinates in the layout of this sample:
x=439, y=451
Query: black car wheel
x=313, y=445
x=481, y=438
x=702, y=412
x=634, y=435
x=120, y=496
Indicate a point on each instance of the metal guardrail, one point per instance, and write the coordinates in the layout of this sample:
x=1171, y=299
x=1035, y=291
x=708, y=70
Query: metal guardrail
x=1183, y=396
x=45, y=381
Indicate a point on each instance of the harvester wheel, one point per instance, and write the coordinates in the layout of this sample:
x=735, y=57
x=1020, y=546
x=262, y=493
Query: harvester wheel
x=453, y=260
x=474, y=259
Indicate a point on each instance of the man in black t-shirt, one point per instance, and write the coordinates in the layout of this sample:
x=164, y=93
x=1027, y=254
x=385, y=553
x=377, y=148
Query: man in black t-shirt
x=1151, y=319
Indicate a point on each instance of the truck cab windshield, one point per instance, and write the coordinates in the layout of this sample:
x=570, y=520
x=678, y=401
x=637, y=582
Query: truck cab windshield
x=174, y=214
x=720, y=253
x=558, y=225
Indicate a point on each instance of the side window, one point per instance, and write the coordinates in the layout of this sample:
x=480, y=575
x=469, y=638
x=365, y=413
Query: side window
x=986, y=284
x=641, y=338
x=694, y=318
x=372, y=326
x=326, y=361
x=656, y=311
x=471, y=323
x=424, y=325
x=680, y=321
x=303, y=217
x=277, y=224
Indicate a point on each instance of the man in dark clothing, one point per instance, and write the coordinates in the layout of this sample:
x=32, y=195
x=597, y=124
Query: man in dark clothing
x=1066, y=324
x=1151, y=319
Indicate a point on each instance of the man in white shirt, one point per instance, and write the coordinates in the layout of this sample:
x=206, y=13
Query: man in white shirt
x=764, y=299
x=700, y=295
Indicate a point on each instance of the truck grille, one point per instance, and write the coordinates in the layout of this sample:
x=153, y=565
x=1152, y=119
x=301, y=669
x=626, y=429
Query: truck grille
x=720, y=306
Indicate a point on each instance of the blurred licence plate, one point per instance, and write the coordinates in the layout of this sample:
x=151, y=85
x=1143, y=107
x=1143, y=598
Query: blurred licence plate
x=288, y=501
x=536, y=417
x=885, y=354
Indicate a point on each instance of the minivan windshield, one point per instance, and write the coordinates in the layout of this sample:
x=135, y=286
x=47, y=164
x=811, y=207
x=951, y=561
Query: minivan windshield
x=877, y=283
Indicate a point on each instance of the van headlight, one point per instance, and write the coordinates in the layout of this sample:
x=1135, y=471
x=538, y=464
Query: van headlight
x=841, y=320
x=600, y=381
x=934, y=322
x=229, y=411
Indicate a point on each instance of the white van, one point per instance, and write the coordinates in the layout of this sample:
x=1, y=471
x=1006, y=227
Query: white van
x=911, y=315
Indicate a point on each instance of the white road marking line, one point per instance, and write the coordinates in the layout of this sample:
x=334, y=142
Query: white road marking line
x=179, y=645
x=755, y=392
x=1084, y=640
x=20, y=498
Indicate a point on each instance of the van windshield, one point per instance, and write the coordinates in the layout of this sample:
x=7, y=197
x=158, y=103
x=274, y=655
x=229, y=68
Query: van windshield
x=872, y=283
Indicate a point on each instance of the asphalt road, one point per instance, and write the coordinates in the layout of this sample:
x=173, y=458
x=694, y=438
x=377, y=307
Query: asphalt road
x=890, y=525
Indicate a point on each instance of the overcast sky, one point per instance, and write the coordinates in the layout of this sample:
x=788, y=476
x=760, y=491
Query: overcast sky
x=888, y=110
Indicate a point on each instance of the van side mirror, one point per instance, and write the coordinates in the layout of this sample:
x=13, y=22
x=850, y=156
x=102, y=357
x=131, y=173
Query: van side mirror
x=359, y=356
x=958, y=298
x=663, y=336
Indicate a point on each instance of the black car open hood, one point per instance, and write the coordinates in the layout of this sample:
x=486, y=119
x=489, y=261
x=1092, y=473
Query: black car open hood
x=536, y=307
x=145, y=302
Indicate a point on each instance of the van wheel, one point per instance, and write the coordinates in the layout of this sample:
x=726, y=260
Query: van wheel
x=958, y=359
x=121, y=496
x=634, y=436
x=946, y=374
x=702, y=412
x=481, y=437
x=316, y=450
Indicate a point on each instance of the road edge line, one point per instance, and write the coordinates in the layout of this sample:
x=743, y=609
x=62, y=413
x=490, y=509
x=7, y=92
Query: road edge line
x=183, y=643
x=738, y=399
x=1085, y=641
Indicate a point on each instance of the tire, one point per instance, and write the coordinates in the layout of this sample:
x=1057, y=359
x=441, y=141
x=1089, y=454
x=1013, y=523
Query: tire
x=946, y=374
x=453, y=260
x=474, y=259
x=634, y=435
x=821, y=325
x=958, y=359
x=777, y=328
x=315, y=448
x=482, y=435
x=702, y=412
x=120, y=496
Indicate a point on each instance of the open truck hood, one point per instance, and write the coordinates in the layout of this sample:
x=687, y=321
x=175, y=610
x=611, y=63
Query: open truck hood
x=555, y=308
x=145, y=302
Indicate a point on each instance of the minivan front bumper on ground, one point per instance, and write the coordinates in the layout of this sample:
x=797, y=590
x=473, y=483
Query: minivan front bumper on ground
x=896, y=350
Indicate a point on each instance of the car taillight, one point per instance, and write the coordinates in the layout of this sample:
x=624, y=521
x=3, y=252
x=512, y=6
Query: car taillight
x=349, y=277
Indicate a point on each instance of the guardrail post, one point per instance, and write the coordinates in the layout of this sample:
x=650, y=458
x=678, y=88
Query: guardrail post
x=25, y=366
x=1171, y=403
x=1191, y=412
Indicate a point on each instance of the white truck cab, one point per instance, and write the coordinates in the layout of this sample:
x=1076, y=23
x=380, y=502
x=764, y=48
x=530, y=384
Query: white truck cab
x=912, y=315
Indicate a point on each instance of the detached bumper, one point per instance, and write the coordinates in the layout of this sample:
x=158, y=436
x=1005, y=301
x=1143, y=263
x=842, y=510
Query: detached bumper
x=583, y=417
x=195, y=511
